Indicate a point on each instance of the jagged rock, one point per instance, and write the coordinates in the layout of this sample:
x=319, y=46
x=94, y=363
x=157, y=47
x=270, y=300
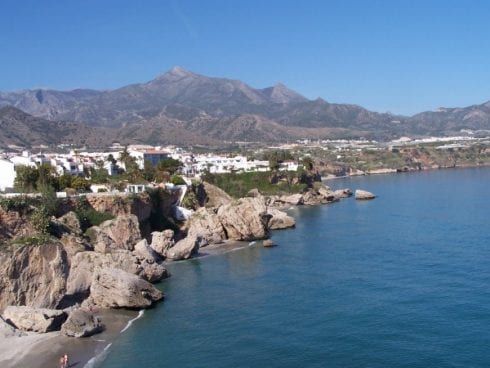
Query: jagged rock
x=214, y=196
x=184, y=248
x=294, y=199
x=149, y=260
x=342, y=193
x=206, y=224
x=34, y=319
x=268, y=243
x=34, y=275
x=162, y=241
x=364, y=195
x=115, y=288
x=144, y=252
x=327, y=194
x=280, y=220
x=71, y=223
x=244, y=219
x=312, y=197
x=81, y=323
x=74, y=244
x=8, y=331
x=120, y=233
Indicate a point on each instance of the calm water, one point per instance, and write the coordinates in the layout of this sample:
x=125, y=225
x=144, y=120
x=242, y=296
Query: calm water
x=401, y=281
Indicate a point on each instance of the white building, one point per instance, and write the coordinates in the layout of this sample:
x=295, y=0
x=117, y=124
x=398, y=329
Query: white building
x=7, y=175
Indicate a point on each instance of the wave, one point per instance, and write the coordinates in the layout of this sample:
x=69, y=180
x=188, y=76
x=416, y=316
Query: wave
x=130, y=322
x=98, y=358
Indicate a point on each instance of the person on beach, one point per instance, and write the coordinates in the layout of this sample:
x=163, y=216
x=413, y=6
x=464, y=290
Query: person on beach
x=62, y=361
x=65, y=361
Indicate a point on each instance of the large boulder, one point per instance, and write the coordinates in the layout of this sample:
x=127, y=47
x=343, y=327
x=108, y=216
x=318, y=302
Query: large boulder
x=206, y=224
x=120, y=233
x=162, y=241
x=81, y=323
x=363, y=195
x=34, y=275
x=280, y=220
x=86, y=264
x=244, y=219
x=214, y=196
x=184, y=249
x=34, y=319
x=115, y=288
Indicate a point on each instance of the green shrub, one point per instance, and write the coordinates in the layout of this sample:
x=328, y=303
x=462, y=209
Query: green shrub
x=88, y=216
x=177, y=180
x=20, y=204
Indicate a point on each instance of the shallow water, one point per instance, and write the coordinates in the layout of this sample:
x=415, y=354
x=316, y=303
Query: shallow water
x=400, y=281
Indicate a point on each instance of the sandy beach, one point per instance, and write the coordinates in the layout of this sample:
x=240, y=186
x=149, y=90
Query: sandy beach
x=35, y=350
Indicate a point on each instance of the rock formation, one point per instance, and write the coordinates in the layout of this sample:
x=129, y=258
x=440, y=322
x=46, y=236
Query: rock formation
x=244, y=219
x=34, y=319
x=161, y=241
x=34, y=275
x=364, y=195
x=280, y=220
x=115, y=288
x=184, y=248
x=81, y=323
x=120, y=233
x=206, y=224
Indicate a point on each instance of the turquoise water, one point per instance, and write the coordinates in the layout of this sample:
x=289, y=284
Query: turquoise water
x=401, y=281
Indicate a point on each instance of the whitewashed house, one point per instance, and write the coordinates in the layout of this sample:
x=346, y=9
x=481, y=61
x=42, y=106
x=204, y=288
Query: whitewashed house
x=7, y=175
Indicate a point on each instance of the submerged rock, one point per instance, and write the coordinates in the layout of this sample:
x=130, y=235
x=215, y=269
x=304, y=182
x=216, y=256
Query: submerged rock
x=34, y=319
x=81, y=323
x=268, y=243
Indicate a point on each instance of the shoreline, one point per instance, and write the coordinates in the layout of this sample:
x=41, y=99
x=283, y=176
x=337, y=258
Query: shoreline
x=36, y=350
x=396, y=171
x=43, y=350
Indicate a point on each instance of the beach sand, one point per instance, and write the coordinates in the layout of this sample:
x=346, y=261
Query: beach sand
x=44, y=350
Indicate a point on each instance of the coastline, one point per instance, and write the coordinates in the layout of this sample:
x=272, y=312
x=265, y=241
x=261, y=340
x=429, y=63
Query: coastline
x=43, y=350
x=396, y=171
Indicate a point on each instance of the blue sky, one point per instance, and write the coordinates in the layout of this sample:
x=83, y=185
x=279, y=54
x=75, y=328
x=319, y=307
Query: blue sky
x=394, y=55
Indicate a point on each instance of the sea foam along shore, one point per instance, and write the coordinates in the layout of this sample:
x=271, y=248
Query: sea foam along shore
x=35, y=350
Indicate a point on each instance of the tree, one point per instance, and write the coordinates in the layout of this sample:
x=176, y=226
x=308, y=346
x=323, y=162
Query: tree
x=149, y=171
x=80, y=184
x=26, y=178
x=170, y=165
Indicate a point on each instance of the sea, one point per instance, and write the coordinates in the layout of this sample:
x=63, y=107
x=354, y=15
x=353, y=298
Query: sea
x=399, y=281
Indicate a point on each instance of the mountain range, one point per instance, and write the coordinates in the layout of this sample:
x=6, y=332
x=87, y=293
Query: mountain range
x=185, y=108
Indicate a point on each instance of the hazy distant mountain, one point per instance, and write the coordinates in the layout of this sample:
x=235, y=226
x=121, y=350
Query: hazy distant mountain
x=21, y=129
x=183, y=107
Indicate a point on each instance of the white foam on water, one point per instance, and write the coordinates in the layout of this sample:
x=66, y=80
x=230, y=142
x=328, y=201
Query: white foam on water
x=252, y=243
x=98, y=358
x=130, y=322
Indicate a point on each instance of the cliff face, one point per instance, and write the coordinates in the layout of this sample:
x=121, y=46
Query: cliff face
x=34, y=275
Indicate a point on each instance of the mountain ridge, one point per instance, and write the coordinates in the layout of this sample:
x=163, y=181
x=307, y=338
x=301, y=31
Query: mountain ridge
x=197, y=108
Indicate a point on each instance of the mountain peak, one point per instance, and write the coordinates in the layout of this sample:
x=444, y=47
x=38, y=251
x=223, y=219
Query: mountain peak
x=279, y=93
x=179, y=71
